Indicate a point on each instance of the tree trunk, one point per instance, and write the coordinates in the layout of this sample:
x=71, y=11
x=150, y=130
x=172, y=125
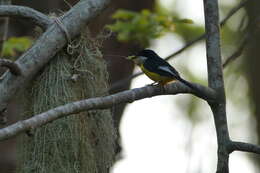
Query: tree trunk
x=252, y=60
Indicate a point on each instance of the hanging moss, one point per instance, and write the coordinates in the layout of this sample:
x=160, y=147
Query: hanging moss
x=77, y=143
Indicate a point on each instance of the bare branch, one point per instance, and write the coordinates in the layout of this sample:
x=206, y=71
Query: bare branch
x=44, y=49
x=12, y=66
x=186, y=46
x=36, y=17
x=199, y=38
x=241, y=146
x=235, y=55
x=101, y=103
x=233, y=11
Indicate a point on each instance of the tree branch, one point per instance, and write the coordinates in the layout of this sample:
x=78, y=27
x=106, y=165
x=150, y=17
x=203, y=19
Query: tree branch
x=44, y=49
x=233, y=11
x=186, y=46
x=241, y=146
x=215, y=81
x=12, y=66
x=236, y=54
x=36, y=17
x=102, y=103
x=222, y=23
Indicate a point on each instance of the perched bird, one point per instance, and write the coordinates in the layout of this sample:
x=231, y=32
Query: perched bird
x=156, y=68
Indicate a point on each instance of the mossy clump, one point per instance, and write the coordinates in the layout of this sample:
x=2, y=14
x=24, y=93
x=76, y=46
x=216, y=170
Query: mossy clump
x=78, y=143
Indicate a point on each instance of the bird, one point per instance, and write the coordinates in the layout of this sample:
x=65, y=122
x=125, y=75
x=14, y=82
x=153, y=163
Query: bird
x=156, y=68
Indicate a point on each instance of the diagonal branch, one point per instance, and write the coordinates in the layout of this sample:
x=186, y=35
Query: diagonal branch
x=25, y=12
x=233, y=11
x=12, y=66
x=102, y=103
x=199, y=38
x=44, y=49
x=236, y=54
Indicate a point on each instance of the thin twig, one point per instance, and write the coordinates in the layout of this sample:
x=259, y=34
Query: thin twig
x=233, y=11
x=236, y=54
x=186, y=46
x=12, y=66
x=102, y=103
x=68, y=4
x=199, y=38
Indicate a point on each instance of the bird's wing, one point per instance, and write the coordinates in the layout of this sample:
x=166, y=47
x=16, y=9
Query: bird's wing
x=161, y=67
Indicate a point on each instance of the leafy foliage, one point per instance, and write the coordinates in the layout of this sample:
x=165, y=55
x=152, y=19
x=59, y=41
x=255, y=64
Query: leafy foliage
x=142, y=26
x=189, y=32
x=16, y=44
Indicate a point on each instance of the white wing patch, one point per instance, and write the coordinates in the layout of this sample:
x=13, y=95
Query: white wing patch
x=143, y=58
x=167, y=69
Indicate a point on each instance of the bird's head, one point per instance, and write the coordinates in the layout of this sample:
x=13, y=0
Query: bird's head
x=142, y=56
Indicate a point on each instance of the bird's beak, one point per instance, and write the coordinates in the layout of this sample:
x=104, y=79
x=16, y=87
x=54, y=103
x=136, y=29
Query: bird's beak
x=131, y=57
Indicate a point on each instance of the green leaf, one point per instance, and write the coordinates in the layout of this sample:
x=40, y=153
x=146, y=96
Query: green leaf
x=142, y=26
x=123, y=14
x=16, y=44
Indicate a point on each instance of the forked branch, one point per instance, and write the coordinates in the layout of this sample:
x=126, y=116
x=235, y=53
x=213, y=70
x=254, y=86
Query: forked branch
x=48, y=44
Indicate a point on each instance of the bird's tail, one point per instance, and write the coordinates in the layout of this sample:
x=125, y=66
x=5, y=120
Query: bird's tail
x=187, y=83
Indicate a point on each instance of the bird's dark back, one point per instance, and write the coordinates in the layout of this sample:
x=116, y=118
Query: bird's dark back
x=148, y=53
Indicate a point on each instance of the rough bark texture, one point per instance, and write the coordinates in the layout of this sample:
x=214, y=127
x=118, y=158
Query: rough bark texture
x=79, y=15
x=47, y=46
x=215, y=81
